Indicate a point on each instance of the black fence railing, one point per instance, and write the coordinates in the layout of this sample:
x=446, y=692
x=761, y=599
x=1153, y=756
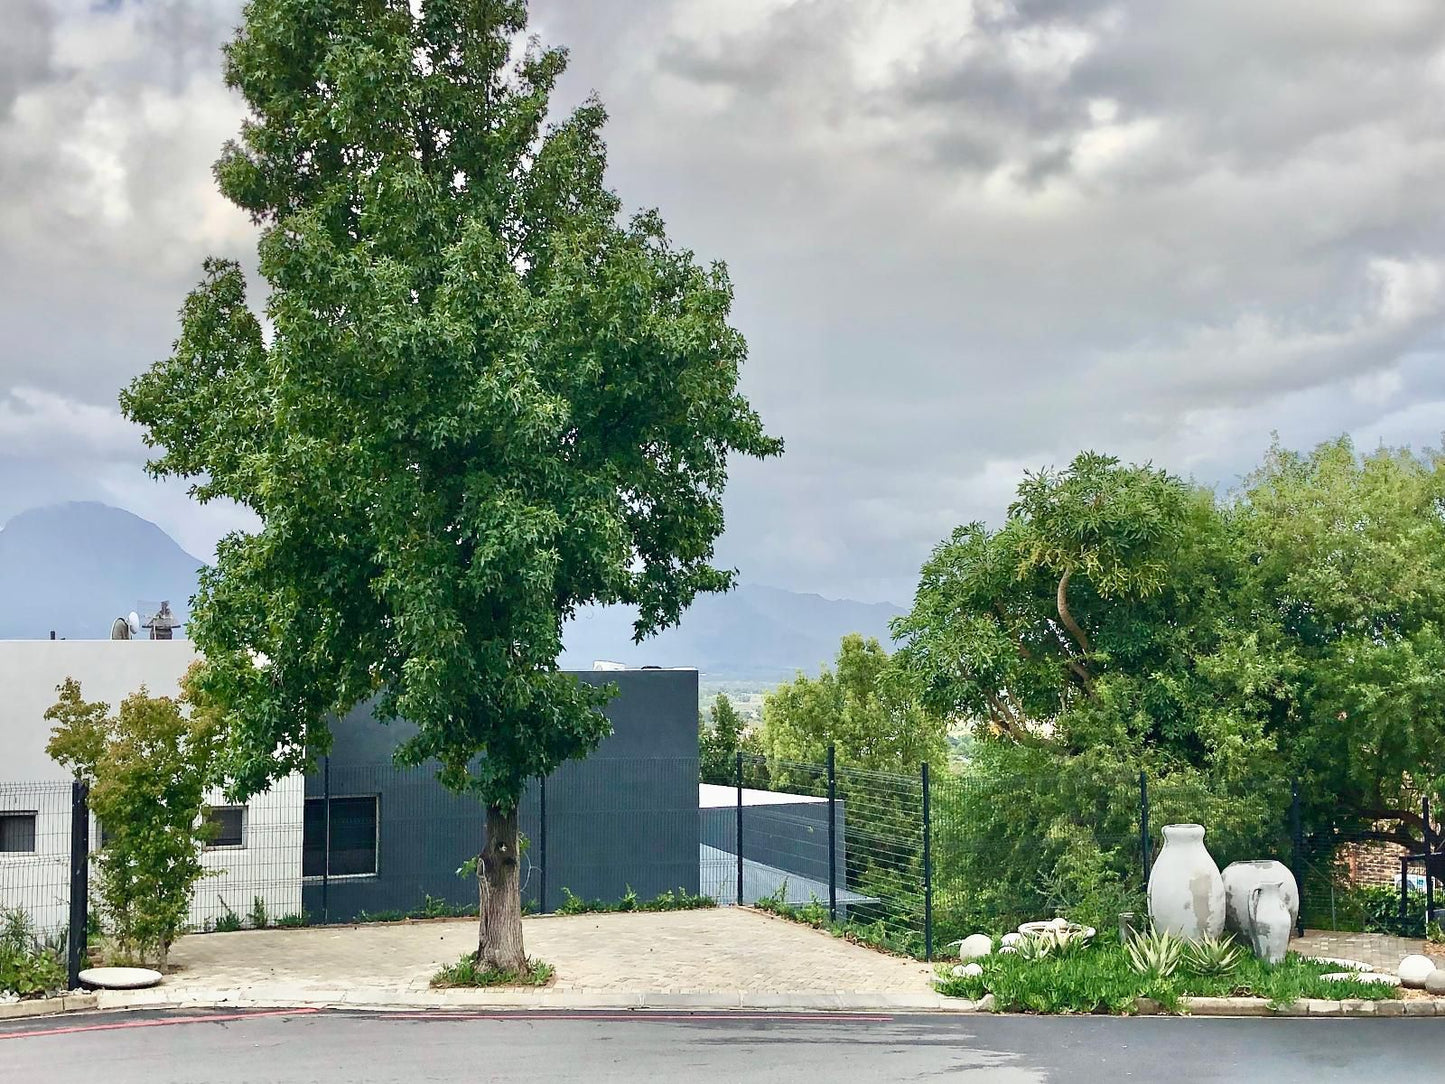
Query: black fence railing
x=910, y=861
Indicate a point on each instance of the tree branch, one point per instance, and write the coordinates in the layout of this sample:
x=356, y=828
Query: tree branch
x=1066, y=617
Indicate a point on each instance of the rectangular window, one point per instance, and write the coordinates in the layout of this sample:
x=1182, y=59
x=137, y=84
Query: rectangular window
x=228, y=826
x=17, y=833
x=353, y=837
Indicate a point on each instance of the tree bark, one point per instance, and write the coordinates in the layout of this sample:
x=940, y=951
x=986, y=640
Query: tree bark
x=500, y=906
x=1066, y=617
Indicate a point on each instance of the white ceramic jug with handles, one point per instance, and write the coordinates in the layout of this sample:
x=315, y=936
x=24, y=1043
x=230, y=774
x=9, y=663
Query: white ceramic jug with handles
x=1270, y=923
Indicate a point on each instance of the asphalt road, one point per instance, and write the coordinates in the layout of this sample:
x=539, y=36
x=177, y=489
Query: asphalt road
x=342, y=1048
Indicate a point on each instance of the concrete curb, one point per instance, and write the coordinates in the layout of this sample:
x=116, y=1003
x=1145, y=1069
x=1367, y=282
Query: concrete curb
x=677, y=1001
x=48, y=1006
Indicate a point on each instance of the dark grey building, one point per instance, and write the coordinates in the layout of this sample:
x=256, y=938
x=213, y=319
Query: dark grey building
x=627, y=816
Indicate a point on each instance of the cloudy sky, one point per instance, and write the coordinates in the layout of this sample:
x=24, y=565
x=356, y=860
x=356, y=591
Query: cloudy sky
x=968, y=238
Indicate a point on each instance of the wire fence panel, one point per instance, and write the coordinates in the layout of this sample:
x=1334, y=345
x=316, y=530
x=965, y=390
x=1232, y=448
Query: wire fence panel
x=35, y=852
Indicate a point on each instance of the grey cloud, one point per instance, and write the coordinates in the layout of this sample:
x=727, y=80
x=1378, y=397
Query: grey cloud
x=961, y=246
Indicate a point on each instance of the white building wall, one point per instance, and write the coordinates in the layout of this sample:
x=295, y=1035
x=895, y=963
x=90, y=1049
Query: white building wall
x=268, y=864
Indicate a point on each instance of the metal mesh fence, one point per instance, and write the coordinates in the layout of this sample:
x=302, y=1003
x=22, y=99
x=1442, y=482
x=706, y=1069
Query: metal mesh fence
x=35, y=852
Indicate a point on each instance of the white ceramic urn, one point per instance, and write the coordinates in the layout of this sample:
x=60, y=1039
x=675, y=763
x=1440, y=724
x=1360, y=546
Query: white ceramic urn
x=1186, y=891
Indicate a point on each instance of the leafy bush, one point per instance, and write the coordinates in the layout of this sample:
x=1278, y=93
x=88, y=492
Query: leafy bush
x=30, y=965
x=258, y=917
x=149, y=766
x=229, y=922
x=1105, y=978
x=876, y=934
x=465, y=973
x=681, y=900
x=295, y=920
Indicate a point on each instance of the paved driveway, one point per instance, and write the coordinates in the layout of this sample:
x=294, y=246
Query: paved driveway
x=599, y=959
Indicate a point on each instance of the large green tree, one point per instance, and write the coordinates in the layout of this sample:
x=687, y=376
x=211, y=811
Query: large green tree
x=1123, y=619
x=483, y=400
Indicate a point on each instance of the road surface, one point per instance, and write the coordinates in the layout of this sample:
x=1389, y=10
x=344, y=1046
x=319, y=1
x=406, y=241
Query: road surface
x=294, y=1046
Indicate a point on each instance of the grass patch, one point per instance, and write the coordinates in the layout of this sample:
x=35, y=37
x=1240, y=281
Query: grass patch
x=31, y=964
x=465, y=973
x=874, y=935
x=681, y=900
x=1098, y=978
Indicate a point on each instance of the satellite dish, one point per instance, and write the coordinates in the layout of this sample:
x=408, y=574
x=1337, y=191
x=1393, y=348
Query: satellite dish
x=133, y=620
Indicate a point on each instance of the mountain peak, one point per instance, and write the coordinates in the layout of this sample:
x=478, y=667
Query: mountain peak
x=73, y=568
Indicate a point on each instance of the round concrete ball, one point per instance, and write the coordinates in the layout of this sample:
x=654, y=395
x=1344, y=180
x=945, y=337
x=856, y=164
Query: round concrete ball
x=1011, y=939
x=1435, y=982
x=1414, y=970
x=971, y=948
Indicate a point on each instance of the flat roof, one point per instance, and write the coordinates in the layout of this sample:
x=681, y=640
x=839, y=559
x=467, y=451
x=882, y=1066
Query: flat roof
x=716, y=796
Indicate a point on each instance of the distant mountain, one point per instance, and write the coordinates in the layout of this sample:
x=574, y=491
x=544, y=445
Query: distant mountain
x=752, y=633
x=74, y=568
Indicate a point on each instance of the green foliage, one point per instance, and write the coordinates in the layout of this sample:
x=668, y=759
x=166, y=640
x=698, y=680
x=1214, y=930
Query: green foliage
x=148, y=766
x=719, y=739
x=295, y=920
x=1103, y=978
x=1121, y=619
x=229, y=922
x=30, y=965
x=467, y=972
x=681, y=900
x=1212, y=955
x=877, y=934
x=258, y=918
x=486, y=400
x=862, y=707
x=483, y=399
x=1155, y=952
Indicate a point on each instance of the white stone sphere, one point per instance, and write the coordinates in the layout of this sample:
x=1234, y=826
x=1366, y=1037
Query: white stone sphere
x=1414, y=970
x=971, y=948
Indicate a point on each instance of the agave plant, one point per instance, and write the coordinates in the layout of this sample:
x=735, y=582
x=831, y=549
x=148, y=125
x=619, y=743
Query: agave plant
x=1212, y=955
x=1155, y=953
x=1033, y=947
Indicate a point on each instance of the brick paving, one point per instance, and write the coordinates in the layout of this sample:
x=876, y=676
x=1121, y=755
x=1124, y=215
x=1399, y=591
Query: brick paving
x=1381, y=951
x=721, y=950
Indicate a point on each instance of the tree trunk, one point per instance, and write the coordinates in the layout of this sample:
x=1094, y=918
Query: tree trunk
x=500, y=907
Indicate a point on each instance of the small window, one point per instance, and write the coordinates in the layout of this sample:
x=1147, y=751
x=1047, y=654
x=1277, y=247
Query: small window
x=17, y=833
x=228, y=826
x=353, y=837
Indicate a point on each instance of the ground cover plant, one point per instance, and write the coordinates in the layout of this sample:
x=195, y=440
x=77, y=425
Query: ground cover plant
x=681, y=900
x=1106, y=977
x=468, y=972
x=31, y=965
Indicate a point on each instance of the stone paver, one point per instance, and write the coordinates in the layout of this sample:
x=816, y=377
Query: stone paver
x=722, y=951
x=1381, y=951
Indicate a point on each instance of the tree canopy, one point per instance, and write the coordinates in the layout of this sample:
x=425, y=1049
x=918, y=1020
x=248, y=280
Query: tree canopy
x=1122, y=619
x=479, y=398
x=859, y=707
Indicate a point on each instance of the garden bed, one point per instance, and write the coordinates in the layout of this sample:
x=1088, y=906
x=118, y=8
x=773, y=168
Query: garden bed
x=1099, y=978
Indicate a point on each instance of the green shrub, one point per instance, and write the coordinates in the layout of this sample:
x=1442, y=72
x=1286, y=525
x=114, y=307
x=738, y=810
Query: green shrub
x=258, y=917
x=464, y=973
x=680, y=900
x=229, y=922
x=1104, y=978
x=30, y=965
x=876, y=934
x=294, y=920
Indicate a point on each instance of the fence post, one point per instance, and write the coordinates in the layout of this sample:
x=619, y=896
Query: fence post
x=740, y=826
x=927, y=870
x=542, y=842
x=832, y=833
x=1429, y=837
x=1404, y=888
x=79, y=881
x=1297, y=852
x=1144, y=848
x=326, y=838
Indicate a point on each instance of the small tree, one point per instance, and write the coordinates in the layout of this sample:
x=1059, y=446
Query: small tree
x=487, y=400
x=719, y=739
x=148, y=767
